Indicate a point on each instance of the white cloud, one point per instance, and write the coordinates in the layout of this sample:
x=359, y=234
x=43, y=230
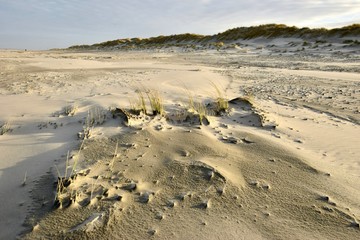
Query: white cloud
x=95, y=20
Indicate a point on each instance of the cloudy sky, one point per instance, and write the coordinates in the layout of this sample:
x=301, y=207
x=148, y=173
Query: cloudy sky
x=44, y=24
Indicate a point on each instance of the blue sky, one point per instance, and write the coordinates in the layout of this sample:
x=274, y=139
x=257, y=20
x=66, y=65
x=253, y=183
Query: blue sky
x=44, y=24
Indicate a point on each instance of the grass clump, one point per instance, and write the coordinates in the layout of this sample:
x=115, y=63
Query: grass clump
x=221, y=103
x=25, y=178
x=140, y=105
x=201, y=109
x=5, y=128
x=63, y=196
x=87, y=128
x=111, y=165
x=70, y=110
x=96, y=116
x=197, y=107
x=156, y=103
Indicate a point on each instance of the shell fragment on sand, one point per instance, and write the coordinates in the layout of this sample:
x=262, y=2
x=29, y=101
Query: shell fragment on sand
x=93, y=222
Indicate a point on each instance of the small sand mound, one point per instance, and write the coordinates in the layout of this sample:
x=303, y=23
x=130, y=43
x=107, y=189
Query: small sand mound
x=186, y=178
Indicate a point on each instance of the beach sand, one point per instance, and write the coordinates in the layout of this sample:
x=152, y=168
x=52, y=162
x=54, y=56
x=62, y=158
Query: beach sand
x=282, y=162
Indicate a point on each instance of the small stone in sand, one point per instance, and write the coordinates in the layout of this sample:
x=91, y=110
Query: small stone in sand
x=160, y=216
x=210, y=175
x=152, y=231
x=172, y=203
x=130, y=187
x=205, y=204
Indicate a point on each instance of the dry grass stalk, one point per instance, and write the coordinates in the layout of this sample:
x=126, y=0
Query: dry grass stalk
x=222, y=104
x=156, y=102
x=70, y=110
x=5, y=128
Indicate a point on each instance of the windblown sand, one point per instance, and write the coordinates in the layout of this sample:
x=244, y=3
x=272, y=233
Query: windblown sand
x=282, y=163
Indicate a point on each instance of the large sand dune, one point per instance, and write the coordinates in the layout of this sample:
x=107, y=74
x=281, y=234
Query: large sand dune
x=281, y=163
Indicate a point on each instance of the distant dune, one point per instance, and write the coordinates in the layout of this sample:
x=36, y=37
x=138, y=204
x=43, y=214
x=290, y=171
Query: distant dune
x=268, y=31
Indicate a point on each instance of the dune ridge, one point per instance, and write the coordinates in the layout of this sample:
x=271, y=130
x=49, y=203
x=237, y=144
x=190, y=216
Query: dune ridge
x=221, y=40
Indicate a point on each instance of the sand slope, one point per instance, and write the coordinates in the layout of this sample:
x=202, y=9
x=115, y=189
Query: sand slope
x=283, y=165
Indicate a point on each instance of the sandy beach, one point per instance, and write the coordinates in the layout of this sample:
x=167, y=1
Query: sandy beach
x=253, y=142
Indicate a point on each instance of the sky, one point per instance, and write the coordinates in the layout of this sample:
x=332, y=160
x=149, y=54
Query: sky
x=45, y=24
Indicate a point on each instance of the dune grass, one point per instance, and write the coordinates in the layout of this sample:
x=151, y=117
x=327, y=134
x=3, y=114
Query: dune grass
x=226, y=37
x=25, y=179
x=5, y=128
x=156, y=102
x=196, y=106
x=59, y=188
x=222, y=104
x=201, y=109
x=73, y=169
x=111, y=165
x=97, y=115
x=88, y=127
x=70, y=110
x=140, y=105
x=65, y=180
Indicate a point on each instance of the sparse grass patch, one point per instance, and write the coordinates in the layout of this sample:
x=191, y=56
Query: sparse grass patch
x=197, y=107
x=87, y=128
x=73, y=169
x=64, y=196
x=140, y=105
x=111, y=165
x=96, y=116
x=156, y=102
x=190, y=98
x=351, y=42
x=61, y=194
x=305, y=43
x=70, y=110
x=249, y=96
x=201, y=109
x=222, y=104
x=5, y=128
x=320, y=41
x=25, y=178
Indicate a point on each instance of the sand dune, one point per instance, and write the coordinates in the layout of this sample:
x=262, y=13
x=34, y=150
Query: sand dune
x=281, y=162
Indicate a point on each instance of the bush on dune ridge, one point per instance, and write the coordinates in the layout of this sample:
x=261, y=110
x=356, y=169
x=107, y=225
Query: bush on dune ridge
x=265, y=31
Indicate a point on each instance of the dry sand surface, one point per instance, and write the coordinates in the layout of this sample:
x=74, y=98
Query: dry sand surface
x=282, y=162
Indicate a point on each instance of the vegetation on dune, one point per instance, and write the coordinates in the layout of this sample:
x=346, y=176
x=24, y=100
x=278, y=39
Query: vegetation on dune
x=156, y=103
x=353, y=30
x=221, y=103
x=154, y=99
x=281, y=30
x=189, y=39
x=5, y=128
